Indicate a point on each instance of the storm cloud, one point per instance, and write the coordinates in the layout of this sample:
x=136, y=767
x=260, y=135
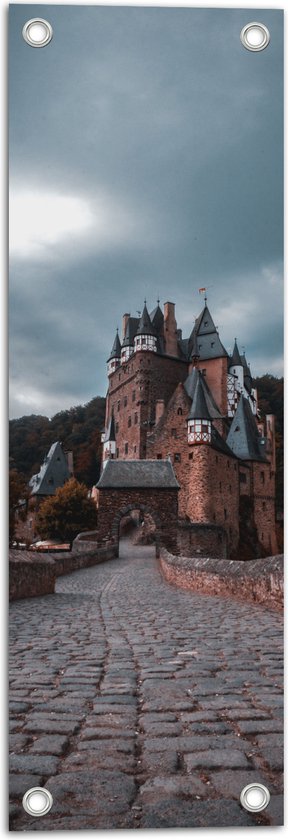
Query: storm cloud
x=145, y=159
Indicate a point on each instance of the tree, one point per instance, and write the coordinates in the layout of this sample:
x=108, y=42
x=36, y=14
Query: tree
x=65, y=514
x=17, y=491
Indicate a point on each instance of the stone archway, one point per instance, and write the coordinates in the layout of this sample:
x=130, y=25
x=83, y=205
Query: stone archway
x=149, y=486
x=144, y=509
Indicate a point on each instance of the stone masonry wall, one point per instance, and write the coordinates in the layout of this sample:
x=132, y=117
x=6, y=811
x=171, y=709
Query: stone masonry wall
x=259, y=581
x=264, y=505
x=200, y=540
x=169, y=437
x=31, y=575
x=213, y=494
x=162, y=505
x=133, y=391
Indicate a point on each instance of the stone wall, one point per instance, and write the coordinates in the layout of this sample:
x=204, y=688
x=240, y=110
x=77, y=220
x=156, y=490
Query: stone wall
x=200, y=540
x=30, y=576
x=161, y=504
x=259, y=581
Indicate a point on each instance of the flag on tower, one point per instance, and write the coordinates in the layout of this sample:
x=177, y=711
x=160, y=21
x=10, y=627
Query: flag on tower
x=203, y=289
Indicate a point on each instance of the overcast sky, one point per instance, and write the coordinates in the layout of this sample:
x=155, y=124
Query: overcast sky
x=145, y=158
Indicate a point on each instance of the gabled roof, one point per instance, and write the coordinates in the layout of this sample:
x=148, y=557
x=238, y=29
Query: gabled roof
x=236, y=358
x=199, y=408
x=116, y=349
x=130, y=332
x=145, y=325
x=190, y=385
x=138, y=474
x=205, y=339
x=110, y=433
x=52, y=474
x=243, y=436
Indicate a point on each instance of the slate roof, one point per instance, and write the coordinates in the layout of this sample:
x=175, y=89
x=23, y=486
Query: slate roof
x=199, y=407
x=130, y=332
x=116, y=349
x=236, y=358
x=218, y=443
x=52, y=474
x=190, y=385
x=243, y=436
x=157, y=318
x=138, y=474
x=204, y=332
x=145, y=325
x=110, y=433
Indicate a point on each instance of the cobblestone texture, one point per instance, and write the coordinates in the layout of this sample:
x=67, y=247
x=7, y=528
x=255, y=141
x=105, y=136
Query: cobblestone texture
x=139, y=705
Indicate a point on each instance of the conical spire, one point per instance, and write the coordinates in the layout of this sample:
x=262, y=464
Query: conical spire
x=110, y=434
x=236, y=358
x=116, y=349
x=145, y=325
x=243, y=437
x=199, y=408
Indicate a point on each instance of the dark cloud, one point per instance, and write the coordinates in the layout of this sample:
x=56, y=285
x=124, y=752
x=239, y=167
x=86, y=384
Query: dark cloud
x=164, y=137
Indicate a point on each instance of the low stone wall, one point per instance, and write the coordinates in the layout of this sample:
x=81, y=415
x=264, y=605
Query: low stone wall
x=31, y=575
x=260, y=581
x=197, y=539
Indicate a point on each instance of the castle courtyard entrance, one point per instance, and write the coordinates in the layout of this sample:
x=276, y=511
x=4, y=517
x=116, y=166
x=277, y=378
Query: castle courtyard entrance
x=147, y=487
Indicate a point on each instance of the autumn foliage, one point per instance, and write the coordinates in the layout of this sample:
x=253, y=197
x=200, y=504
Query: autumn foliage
x=67, y=513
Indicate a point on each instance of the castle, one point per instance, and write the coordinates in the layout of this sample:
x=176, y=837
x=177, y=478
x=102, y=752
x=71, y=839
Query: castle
x=188, y=400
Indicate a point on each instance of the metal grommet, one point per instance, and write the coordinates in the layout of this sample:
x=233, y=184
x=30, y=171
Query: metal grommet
x=255, y=797
x=37, y=32
x=255, y=36
x=37, y=801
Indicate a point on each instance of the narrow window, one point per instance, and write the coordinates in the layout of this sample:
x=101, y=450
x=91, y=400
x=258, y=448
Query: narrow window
x=159, y=456
x=220, y=485
x=118, y=405
x=125, y=401
x=262, y=474
x=135, y=418
x=177, y=457
x=225, y=513
x=174, y=433
x=179, y=411
x=133, y=396
x=126, y=448
x=129, y=422
x=190, y=456
x=117, y=428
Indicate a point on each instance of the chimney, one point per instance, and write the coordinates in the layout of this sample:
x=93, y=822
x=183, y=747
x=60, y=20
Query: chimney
x=125, y=320
x=160, y=408
x=170, y=330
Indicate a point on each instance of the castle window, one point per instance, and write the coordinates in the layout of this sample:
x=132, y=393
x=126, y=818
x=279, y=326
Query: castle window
x=133, y=396
x=212, y=343
x=135, y=417
x=126, y=448
x=220, y=485
x=179, y=411
x=135, y=448
x=216, y=459
x=204, y=371
x=117, y=453
x=205, y=323
x=243, y=478
x=263, y=505
x=159, y=457
x=174, y=433
x=177, y=457
x=129, y=422
x=117, y=428
x=190, y=456
x=225, y=513
x=118, y=405
x=125, y=401
x=262, y=476
x=237, y=428
x=228, y=463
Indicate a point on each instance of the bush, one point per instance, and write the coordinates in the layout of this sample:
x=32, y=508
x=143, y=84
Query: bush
x=65, y=514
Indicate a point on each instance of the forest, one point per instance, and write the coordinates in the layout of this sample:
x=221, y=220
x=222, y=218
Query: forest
x=79, y=429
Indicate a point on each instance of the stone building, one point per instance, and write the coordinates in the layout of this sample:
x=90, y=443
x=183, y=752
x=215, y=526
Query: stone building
x=188, y=400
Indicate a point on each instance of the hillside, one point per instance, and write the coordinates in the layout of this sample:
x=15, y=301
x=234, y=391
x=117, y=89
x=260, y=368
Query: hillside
x=79, y=429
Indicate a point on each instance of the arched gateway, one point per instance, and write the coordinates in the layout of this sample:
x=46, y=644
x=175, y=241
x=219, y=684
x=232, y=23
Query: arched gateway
x=148, y=486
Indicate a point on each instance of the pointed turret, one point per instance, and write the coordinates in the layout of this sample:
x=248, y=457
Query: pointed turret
x=128, y=340
x=205, y=333
x=145, y=338
x=109, y=439
x=199, y=419
x=236, y=368
x=115, y=356
x=243, y=437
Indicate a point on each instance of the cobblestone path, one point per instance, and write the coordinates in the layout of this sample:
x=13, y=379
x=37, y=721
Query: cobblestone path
x=139, y=705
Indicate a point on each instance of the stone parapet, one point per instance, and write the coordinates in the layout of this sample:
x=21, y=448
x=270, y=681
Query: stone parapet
x=31, y=576
x=260, y=581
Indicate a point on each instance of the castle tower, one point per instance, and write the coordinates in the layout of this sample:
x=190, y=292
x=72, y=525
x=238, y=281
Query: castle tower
x=236, y=368
x=115, y=356
x=199, y=420
x=145, y=338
